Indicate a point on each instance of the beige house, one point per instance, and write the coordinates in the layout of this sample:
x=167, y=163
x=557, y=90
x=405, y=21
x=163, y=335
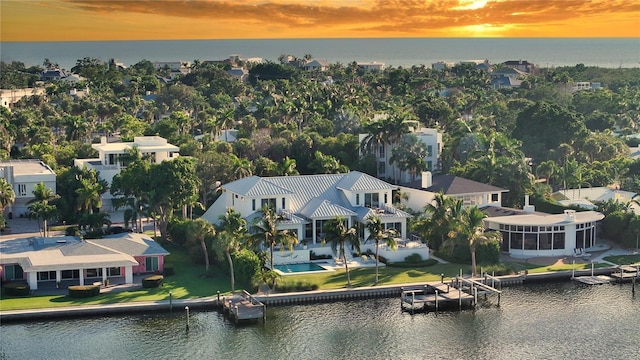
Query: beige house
x=23, y=176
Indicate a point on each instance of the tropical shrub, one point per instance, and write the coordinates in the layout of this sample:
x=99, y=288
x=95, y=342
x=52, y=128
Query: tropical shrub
x=413, y=258
x=168, y=270
x=16, y=289
x=296, y=286
x=83, y=291
x=246, y=264
x=152, y=281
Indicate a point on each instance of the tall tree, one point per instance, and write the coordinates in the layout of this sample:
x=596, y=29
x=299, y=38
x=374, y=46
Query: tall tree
x=39, y=207
x=7, y=195
x=197, y=231
x=230, y=232
x=378, y=233
x=342, y=237
x=266, y=231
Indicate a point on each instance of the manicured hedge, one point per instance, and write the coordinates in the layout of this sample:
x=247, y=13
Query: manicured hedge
x=83, y=291
x=409, y=265
x=168, y=270
x=296, y=287
x=16, y=289
x=152, y=281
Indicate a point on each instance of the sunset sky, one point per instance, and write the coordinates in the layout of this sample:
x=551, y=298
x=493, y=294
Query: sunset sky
x=71, y=20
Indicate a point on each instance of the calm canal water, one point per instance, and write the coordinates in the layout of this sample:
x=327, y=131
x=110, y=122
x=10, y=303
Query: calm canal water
x=551, y=321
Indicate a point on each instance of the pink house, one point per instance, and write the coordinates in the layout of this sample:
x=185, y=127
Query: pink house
x=68, y=259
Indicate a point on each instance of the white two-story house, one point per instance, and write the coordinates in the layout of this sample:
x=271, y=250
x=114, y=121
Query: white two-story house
x=307, y=202
x=388, y=169
x=109, y=163
x=23, y=176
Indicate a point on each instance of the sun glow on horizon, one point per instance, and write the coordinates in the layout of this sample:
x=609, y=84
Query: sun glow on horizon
x=87, y=20
x=470, y=4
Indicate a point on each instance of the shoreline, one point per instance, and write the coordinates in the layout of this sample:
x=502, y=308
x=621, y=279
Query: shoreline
x=284, y=299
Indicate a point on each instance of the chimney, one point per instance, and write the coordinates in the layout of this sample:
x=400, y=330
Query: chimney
x=528, y=208
x=103, y=140
x=427, y=179
x=570, y=215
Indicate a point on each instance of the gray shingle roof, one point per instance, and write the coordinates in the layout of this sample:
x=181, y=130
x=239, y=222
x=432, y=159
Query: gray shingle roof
x=454, y=185
x=131, y=244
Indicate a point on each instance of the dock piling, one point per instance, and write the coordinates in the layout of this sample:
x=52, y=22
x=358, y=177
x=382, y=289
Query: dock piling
x=170, y=300
x=186, y=309
x=436, y=302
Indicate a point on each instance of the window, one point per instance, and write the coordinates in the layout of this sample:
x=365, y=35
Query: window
x=381, y=151
x=382, y=168
x=372, y=200
x=71, y=274
x=494, y=197
x=114, y=271
x=271, y=203
x=284, y=207
x=13, y=272
x=386, y=198
x=429, y=165
x=151, y=264
x=530, y=241
x=516, y=241
x=94, y=273
x=558, y=241
x=430, y=150
x=357, y=199
x=46, y=275
x=253, y=204
x=22, y=189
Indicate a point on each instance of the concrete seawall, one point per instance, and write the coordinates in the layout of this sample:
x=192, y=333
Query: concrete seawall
x=307, y=297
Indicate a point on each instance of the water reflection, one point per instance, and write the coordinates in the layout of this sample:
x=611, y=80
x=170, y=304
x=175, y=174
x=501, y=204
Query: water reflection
x=557, y=321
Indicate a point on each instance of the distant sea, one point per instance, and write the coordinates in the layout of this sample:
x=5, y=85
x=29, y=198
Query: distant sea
x=405, y=52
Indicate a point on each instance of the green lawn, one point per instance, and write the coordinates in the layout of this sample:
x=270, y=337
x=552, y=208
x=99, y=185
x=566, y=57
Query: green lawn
x=187, y=282
x=366, y=276
x=624, y=259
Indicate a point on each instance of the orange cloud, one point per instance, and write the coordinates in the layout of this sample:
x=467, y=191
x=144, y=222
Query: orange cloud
x=219, y=19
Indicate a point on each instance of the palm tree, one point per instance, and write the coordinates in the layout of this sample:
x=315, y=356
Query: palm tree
x=338, y=235
x=266, y=231
x=39, y=207
x=439, y=223
x=198, y=230
x=230, y=231
x=7, y=197
x=377, y=233
x=93, y=222
x=471, y=228
x=89, y=195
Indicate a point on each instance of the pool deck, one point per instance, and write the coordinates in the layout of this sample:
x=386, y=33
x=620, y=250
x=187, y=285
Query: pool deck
x=331, y=265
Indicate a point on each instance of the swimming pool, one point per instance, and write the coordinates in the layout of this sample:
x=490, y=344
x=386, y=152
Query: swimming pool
x=298, y=268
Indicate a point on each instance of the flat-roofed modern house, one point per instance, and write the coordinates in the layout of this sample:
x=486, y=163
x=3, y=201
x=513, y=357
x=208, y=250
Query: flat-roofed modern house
x=23, y=176
x=383, y=153
x=527, y=233
x=44, y=262
x=109, y=163
x=307, y=202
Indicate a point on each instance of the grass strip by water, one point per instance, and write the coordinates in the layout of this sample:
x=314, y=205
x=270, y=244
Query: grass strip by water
x=624, y=259
x=188, y=282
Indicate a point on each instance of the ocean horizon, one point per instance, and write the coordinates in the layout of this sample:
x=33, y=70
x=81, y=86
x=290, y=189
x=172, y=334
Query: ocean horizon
x=395, y=52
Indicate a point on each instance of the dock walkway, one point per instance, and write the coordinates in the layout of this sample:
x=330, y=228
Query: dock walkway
x=463, y=291
x=242, y=306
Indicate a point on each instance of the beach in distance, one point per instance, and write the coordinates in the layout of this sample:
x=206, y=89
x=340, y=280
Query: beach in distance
x=396, y=52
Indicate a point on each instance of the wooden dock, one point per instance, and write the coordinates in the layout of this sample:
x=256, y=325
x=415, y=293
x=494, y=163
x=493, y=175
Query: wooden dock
x=461, y=291
x=243, y=307
x=593, y=280
x=626, y=273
